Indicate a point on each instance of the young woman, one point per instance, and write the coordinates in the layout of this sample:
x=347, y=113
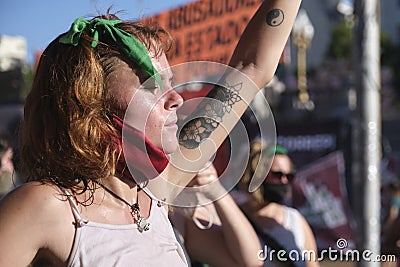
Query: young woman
x=81, y=205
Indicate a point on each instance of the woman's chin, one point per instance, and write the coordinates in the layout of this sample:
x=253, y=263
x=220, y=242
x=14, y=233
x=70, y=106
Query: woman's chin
x=170, y=148
x=169, y=143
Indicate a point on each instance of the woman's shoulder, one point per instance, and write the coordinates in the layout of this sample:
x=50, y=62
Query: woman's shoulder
x=35, y=198
x=38, y=216
x=294, y=213
x=34, y=190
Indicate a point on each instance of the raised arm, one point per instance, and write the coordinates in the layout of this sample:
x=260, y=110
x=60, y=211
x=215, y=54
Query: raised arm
x=262, y=42
x=253, y=65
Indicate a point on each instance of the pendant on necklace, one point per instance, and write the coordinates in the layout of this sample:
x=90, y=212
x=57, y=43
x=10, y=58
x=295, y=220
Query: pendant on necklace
x=142, y=224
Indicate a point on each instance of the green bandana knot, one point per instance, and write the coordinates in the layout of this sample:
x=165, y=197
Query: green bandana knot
x=127, y=43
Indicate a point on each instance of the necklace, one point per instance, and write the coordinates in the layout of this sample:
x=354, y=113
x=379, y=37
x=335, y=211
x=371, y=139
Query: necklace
x=140, y=221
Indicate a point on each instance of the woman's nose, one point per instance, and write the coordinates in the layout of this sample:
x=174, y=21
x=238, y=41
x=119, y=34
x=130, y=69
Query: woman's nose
x=284, y=179
x=174, y=99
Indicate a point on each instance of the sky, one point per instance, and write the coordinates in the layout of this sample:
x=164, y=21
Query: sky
x=40, y=21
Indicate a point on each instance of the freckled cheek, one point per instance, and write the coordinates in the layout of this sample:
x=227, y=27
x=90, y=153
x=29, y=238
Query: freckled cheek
x=140, y=115
x=153, y=129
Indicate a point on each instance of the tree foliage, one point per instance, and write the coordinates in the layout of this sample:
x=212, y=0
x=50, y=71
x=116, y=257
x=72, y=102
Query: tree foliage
x=340, y=46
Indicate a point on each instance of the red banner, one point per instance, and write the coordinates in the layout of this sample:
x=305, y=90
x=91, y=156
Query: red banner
x=205, y=30
x=320, y=195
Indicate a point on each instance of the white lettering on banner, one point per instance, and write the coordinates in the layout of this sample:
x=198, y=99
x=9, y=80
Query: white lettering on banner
x=317, y=142
x=321, y=202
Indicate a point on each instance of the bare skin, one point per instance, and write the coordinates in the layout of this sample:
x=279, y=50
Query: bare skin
x=35, y=220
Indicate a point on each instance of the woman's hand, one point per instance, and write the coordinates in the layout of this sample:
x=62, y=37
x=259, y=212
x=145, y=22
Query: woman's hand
x=205, y=176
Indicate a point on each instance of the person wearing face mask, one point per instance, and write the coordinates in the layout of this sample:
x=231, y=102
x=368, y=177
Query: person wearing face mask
x=276, y=187
x=284, y=233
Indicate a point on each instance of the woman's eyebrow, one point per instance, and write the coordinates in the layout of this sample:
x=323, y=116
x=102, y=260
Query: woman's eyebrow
x=167, y=77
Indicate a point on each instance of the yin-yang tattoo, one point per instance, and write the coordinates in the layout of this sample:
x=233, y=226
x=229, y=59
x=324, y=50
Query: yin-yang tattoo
x=275, y=17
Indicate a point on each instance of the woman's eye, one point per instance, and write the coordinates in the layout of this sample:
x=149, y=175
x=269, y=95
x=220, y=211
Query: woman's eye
x=151, y=87
x=150, y=84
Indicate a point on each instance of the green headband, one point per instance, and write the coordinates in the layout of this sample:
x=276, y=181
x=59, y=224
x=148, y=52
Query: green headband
x=128, y=44
x=276, y=150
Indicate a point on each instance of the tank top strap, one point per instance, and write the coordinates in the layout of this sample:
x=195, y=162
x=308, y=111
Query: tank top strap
x=74, y=207
x=293, y=222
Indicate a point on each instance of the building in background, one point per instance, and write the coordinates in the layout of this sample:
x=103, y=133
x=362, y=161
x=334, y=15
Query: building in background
x=13, y=52
x=13, y=58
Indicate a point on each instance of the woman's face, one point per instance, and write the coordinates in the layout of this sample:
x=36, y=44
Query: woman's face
x=149, y=108
x=281, y=170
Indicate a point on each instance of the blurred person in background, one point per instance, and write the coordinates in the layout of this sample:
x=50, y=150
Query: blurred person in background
x=392, y=192
x=280, y=228
x=391, y=224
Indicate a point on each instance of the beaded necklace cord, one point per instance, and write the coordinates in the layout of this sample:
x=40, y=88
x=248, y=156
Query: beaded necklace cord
x=140, y=221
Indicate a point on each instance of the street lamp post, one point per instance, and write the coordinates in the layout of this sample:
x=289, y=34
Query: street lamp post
x=303, y=32
x=367, y=129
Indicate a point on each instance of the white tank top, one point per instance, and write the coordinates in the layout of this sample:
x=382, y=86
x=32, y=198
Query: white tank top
x=290, y=236
x=99, y=244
